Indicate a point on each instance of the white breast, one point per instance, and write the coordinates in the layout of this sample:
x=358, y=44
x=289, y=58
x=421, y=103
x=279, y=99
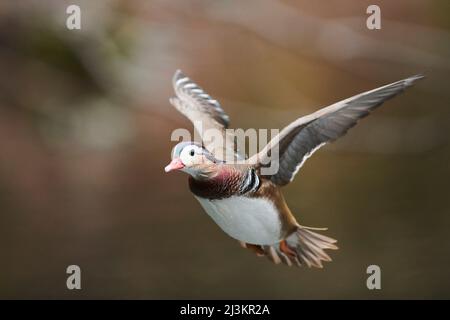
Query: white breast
x=250, y=220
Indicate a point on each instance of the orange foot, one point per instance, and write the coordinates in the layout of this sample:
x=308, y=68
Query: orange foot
x=255, y=248
x=286, y=250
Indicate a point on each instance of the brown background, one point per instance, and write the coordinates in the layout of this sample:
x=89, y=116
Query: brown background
x=84, y=136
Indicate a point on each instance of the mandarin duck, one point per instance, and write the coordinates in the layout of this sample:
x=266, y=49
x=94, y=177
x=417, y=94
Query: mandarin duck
x=246, y=203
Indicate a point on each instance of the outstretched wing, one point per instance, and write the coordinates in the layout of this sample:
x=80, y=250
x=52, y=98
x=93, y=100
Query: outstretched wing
x=301, y=138
x=208, y=117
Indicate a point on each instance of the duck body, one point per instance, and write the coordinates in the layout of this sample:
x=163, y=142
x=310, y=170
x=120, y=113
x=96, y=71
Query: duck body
x=251, y=220
x=244, y=205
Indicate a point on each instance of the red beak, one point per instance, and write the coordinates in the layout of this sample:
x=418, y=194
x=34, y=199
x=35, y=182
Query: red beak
x=175, y=164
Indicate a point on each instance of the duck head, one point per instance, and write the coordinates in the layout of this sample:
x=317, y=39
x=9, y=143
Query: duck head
x=193, y=159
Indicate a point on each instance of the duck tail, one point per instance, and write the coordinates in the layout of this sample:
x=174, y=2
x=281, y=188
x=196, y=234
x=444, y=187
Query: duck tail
x=302, y=247
x=310, y=246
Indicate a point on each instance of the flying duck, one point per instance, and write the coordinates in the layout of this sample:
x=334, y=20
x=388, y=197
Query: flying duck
x=238, y=195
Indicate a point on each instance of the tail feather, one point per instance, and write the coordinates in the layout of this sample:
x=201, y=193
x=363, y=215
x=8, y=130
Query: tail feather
x=310, y=246
x=305, y=247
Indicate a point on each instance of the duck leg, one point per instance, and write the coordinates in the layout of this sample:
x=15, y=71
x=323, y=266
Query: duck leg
x=255, y=248
x=286, y=250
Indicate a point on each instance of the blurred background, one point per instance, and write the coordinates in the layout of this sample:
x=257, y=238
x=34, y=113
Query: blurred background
x=85, y=129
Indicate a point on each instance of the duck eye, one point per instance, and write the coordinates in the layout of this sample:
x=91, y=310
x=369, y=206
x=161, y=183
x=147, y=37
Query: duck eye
x=192, y=152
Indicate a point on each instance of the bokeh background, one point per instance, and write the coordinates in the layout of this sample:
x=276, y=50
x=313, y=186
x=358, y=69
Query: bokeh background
x=85, y=129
